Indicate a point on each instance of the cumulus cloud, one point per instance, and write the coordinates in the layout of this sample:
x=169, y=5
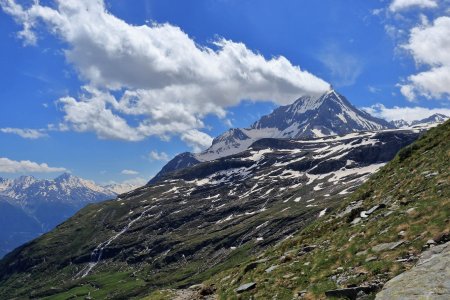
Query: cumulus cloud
x=129, y=172
x=155, y=74
x=429, y=45
x=196, y=139
x=25, y=166
x=25, y=133
x=405, y=113
x=161, y=156
x=398, y=5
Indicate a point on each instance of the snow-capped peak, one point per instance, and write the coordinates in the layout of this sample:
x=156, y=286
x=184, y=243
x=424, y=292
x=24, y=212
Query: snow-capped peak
x=431, y=120
x=24, y=181
x=307, y=117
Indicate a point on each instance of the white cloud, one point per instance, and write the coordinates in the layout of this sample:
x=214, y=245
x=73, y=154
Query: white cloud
x=398, y=5
x=161, y=78
x=162, y=156
x=197, y=140
x=405, y=113
x=129, y=172
x=25, y=166
x=25, y=133
x=429, y=45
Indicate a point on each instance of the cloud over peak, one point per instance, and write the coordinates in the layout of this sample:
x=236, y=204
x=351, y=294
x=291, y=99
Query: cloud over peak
x=155, y=73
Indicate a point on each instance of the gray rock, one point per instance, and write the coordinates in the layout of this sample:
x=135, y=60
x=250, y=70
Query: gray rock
x=360, y=253
x=355, y=221
x=429, y=279
x=387, y=246
x=270, y=269
x=246, y=287
x=371, y=258
x=431, y=242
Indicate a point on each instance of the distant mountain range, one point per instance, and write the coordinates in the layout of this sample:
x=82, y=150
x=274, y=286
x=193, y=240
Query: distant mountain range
x=431, y=120
x=30, y=206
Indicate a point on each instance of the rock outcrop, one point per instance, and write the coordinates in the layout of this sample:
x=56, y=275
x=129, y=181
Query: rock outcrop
x=429, y=279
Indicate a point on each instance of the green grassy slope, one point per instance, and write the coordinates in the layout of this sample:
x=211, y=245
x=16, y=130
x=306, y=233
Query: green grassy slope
x=413, y=192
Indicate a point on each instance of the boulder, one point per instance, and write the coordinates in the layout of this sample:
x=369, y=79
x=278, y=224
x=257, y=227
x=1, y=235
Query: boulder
x=429, y=279
x=387, y=246
x=246, y=287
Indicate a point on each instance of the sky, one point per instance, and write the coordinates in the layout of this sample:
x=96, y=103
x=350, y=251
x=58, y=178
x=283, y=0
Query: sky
x=110, y=91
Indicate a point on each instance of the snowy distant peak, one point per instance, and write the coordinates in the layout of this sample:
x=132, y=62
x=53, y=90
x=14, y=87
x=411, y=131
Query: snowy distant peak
x=431, y=120
x=68, y=182
x=121, y=188
x=24, y=181
x=65, y=188
x=400, y=123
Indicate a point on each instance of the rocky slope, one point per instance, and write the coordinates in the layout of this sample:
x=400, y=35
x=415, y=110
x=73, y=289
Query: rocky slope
x=378, y=232
x=198, y=220
x=32, y=206
x=308, y=117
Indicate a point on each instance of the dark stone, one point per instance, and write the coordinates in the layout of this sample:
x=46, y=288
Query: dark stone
x=207, y=290
x=250, y=267
x=351, y=293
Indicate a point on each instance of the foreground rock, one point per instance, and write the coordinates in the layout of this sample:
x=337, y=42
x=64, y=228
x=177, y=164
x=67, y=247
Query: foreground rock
x=429, y=279
x=246, y=287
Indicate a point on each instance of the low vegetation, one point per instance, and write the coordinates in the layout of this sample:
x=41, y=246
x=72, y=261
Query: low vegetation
x=410, y=199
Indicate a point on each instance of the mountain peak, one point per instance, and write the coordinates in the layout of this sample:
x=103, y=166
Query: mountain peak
x=307, y=117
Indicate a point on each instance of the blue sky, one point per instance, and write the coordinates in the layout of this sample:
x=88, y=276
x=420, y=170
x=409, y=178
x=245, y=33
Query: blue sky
x=109, y=91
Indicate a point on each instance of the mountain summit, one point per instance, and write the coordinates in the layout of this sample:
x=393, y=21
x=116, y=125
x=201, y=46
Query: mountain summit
x=308, y=117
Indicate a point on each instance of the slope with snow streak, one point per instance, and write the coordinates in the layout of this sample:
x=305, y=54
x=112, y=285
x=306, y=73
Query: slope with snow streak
x=209, y=211
x=96, y=255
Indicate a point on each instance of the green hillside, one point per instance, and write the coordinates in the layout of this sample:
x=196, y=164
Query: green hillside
x=410, y=199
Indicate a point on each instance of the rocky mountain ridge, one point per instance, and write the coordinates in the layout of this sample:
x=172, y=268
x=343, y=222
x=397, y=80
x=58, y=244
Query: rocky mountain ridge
x=307, y=118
